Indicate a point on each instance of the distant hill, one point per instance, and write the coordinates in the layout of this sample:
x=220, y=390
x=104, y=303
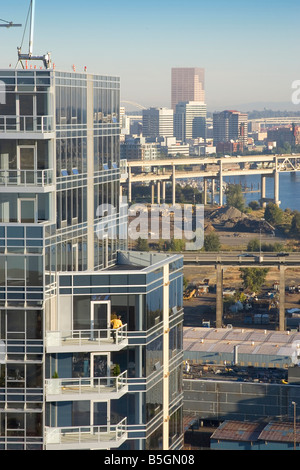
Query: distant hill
x=260, y=110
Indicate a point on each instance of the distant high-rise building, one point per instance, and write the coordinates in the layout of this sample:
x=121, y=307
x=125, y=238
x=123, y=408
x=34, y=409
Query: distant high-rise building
x=230, y=126
x=187, y=85
x=190, y=120
x=158, y=122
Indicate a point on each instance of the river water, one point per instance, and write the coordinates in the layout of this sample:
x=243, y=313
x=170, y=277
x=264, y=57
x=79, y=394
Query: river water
x=289, y=188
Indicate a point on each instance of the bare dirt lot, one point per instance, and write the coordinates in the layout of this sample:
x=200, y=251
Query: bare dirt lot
x=203, y=308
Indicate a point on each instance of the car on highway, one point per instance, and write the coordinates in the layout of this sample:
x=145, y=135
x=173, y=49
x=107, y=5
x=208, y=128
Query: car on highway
x=246, y=255
x=283, y=254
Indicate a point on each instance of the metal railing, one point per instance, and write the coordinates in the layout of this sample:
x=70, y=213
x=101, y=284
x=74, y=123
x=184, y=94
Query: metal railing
x=85, y=435
x=26, y=177
x=26, y=124
x=84, y=385
x=84, y=337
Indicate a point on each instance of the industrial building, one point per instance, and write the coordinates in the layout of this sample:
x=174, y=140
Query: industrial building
x=236, y=435
x=241, y=376
x=242, y=346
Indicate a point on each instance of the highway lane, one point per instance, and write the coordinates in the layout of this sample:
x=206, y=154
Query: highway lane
x=241, y=259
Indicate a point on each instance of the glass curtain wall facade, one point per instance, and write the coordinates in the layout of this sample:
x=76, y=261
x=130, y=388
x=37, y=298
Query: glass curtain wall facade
x=126, y=386
x=60, y=386
x=59, y=159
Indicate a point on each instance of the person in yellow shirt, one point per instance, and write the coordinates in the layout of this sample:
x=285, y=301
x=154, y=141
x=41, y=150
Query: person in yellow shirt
x=115, y=324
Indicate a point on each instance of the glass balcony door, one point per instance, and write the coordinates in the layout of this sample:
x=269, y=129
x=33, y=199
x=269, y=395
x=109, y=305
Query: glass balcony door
x=100, y=318
x=27, y=210
x=26, y=110
x=26, y=164
x=100, y=364
x=101, y=415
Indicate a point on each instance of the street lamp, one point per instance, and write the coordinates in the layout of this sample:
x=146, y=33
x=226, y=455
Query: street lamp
x=261, y=220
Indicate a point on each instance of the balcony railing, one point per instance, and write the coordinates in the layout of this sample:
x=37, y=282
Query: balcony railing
x=26, y=177
x=86, y=339
x=81, y=437
x=34, y=124
x=83, y=386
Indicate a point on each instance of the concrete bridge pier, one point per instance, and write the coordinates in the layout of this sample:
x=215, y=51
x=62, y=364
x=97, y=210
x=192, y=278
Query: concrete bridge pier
x=129, y=185
x=173, y=185
x=152, y=192
x=205, y=190
x=163, y=192
x=213, y=190
x=219, y=296
x=158, y=191
x=276, y=188
x=221, y=183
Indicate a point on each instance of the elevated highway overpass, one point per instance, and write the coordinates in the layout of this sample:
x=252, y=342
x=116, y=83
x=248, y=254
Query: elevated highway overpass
x=161, y=171
x=222, y=260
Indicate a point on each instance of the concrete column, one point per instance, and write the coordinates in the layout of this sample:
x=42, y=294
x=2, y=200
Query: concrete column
x=219, y=296
x=163, y=192
x=166, y=371
x=221, y=184
x=158, y=192
x=282, y=297
x=205, y=190
x=152, y=193
x=276, y=188
x=173, y=185
x=213, y=191
x=90, y=175
x=129, y=184
x=263, y=189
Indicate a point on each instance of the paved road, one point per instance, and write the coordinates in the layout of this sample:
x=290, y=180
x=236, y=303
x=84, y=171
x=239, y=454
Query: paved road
x=241, y=259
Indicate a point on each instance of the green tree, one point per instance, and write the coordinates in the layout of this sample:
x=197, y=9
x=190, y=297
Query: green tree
x=273, y=214
x=253, y=278
x=253, y=245
x=295, y=225
x=212, y=242
x=175, y=245
x=234, y=196
x=141, y=245
x=254, y=205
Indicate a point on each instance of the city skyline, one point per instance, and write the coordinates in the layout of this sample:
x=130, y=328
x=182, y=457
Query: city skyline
x=248, y=53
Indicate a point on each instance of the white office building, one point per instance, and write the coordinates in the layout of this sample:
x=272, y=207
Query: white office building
x=158, y=122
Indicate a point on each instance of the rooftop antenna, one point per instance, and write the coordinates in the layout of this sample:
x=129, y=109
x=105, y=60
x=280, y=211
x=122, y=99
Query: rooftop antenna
x=45, y=58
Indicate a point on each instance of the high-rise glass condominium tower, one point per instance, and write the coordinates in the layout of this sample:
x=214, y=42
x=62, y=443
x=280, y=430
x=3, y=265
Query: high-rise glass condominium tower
x=67, y=382
x=187, y=85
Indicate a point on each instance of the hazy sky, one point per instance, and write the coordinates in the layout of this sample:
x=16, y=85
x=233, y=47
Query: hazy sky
x=249, y=49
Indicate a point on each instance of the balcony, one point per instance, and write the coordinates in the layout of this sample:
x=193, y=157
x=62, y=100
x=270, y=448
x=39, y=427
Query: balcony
x=86, y=437
x=86, y=340
x=17, y=178
x=86, y=388
x=26, y=124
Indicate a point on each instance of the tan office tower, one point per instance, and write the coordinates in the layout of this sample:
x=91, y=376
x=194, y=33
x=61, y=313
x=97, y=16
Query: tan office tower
x=187, y=85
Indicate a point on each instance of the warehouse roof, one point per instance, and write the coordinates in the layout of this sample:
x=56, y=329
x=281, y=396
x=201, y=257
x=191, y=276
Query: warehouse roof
x=254, y=431
x=238, y=431
x=249, y=341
